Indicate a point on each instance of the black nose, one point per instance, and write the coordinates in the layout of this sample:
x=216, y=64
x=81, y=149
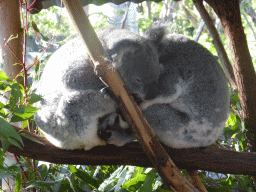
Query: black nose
x=152, y=91
x=104, y=134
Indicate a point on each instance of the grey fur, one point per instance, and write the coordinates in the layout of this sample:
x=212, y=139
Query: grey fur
x=73, y=102
x=192, y=104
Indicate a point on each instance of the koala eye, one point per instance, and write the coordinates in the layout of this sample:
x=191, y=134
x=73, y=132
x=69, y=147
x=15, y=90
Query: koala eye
x=138, y=80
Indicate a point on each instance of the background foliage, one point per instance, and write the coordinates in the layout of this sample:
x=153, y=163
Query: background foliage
x=51, y=28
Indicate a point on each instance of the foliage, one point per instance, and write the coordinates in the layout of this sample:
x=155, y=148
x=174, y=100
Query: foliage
x=42, y=176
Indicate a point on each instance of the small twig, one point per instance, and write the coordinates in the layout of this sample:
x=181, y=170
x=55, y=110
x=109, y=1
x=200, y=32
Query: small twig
x=195, y=180
x=6, y=44
x=123, y=22
x=199, y=30
x=249, y=24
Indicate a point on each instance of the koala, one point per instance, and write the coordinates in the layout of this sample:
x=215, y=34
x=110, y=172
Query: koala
x=74, y=98
x=192, y=103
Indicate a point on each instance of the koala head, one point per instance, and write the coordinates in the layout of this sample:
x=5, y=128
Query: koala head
x=136, y=61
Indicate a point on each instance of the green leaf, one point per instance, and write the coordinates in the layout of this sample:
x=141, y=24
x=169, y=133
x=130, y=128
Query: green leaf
x=232, y=120
x=235, y=98
x=3, y=85
x=235, y=128
x=2, y=105
x=5, y=174
x=41, y=183
x=2, y=113
x=44, y=37
x=25, y=112
x=5, y=143
x=15, y=94
x=8, y=131
x=138, y=180
x=3, y=76
x=84, y=176
x=34, y=26
x=15, y=142
x=16, y=118
x=34, y=98
x=31, y=138
x=18, y=183
x=148, y=183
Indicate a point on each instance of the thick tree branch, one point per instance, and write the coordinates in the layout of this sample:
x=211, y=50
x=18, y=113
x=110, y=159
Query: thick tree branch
x=229, y=14
x=208, y=159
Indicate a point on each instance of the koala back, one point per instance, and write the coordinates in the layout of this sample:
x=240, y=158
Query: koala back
x=192, y=105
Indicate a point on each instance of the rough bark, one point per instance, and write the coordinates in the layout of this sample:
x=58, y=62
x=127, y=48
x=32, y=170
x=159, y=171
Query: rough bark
x=208, y=159
x=229, y=14
x=10, y=25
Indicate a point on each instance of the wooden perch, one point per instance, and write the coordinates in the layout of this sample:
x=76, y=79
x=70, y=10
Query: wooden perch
x=164, y=165
x=208, y=159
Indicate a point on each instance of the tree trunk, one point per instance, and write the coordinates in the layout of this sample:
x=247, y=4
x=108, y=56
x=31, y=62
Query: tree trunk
x=229, y=14
x=11, y=53
x=10, y=25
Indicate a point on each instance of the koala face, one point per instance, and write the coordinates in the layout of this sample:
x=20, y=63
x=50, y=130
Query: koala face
x=136, y=61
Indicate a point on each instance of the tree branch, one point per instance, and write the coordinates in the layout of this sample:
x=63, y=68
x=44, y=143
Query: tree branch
x=208, y=159
x=229, y=14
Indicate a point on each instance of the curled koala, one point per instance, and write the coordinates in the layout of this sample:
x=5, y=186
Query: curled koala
x=74, y=98
x=192, y=103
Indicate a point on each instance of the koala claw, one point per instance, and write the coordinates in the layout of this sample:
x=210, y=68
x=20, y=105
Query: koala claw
x=107, y=92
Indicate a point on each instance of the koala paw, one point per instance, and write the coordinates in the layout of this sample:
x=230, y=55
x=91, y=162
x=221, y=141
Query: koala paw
x=114, y=130
x=107, y=92
x=104, y=131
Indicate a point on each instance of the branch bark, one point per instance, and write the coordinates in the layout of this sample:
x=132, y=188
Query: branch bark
x=229, y=14
x=208, y=159
x=10, y=25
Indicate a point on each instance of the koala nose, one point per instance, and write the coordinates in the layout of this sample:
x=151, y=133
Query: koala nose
x=152, y=91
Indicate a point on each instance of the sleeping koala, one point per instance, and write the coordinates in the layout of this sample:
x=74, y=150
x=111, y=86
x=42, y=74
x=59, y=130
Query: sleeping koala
x=192, y=103
x=74, y=102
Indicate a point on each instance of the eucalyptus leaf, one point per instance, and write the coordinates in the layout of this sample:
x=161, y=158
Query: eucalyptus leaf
x=18, y=182
x=5, y=174
x=148, y=183
x=34, y=98
x=3, y=76
x=15, y=94
x=25, y=112
x=31, y=138
x=5, y=143
x=84, y=176
x=8, y=130
x=3, y=85
x=16, y=118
